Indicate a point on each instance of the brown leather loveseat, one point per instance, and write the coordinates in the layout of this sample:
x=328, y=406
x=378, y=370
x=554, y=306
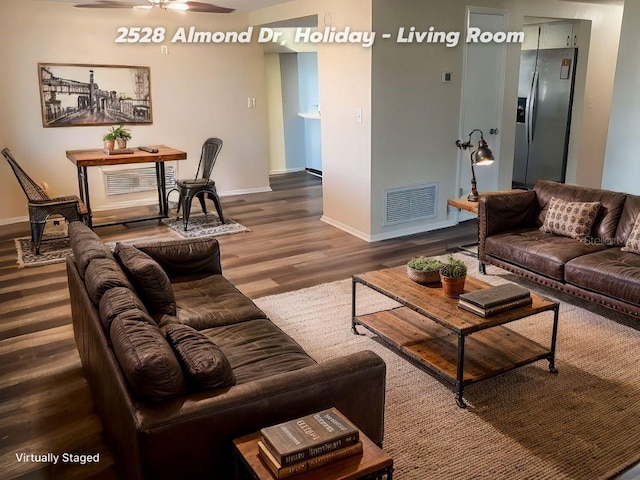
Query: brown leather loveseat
x=180, y=362
x=594, y=266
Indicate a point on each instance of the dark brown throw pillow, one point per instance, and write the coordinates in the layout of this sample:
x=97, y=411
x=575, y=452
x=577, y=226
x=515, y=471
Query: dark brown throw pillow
x=147, y=360
x=103, y=274
x=117, y=300
x=205, y=364
x=149, y=279
x=86, y=246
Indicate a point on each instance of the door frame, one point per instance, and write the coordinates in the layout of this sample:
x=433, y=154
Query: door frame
x=466, y=79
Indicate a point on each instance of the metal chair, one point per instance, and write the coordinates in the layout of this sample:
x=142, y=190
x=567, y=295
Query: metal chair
x=202, y=186
x=41, y=207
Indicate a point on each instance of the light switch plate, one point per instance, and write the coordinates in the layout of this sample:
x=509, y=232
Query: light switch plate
x=446, y=77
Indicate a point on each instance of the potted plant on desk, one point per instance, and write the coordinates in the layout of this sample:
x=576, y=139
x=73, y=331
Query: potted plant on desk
x=109, y=140
x=453, y=275
x=118, y=133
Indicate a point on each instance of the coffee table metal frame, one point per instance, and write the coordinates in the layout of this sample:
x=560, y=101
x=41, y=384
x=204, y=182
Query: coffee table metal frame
x=416, y=299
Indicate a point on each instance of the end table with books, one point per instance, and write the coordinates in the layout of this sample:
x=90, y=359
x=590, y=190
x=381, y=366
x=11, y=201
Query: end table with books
x=311, y=448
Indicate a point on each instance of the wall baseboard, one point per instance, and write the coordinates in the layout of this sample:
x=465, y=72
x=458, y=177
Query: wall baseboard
x=388, y=235
x=286, y=170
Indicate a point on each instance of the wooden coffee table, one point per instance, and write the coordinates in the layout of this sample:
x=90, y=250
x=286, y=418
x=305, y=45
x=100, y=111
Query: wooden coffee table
x=459, y=346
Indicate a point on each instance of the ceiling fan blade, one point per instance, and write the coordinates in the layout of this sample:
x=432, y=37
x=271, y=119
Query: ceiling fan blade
x=207, y=8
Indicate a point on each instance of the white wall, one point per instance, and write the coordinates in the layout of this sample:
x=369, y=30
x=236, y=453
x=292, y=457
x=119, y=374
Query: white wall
x=621, y=163
x=198, y=91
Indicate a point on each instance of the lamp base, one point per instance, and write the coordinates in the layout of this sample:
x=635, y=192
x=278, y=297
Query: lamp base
x=473, y=196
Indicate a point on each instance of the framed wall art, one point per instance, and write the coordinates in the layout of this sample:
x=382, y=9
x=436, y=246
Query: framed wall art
x=74, y=95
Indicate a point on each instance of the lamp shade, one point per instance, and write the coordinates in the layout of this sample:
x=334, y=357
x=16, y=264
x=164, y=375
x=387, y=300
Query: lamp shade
x=483, y=156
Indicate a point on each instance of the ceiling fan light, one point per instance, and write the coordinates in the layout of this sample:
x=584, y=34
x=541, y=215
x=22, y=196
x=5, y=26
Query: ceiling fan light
x=143, y=7
x=177, y=6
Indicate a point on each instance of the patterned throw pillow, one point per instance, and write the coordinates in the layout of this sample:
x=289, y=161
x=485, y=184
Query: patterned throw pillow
x=633, y=242
x=570, y=219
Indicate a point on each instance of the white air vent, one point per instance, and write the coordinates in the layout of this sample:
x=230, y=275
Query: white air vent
x=408, y=204
x=119, y=182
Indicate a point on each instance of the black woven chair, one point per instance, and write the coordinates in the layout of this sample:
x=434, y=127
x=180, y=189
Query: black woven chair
x=41, y=207
x=202, y=186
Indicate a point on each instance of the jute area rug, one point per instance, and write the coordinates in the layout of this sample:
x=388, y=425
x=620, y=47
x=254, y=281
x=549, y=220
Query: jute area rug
x=55, y=248
x=582, y=423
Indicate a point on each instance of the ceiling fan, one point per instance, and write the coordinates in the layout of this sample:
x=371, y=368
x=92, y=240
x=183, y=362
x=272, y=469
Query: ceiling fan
x=166, y=4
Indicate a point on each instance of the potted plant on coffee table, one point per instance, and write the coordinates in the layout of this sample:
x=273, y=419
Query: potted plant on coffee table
x=453, y=275
x=424, y=270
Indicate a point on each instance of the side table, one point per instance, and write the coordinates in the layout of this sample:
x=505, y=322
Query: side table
x=373, y=464
x=464, y=204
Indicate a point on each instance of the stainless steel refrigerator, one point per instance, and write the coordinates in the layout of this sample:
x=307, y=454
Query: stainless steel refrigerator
x=545, y=96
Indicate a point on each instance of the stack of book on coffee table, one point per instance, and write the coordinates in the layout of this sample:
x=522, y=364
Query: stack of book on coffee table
x=308, y=442
x=489, y=301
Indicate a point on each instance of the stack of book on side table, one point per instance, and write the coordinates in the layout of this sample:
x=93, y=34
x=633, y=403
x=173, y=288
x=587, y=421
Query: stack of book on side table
x=490, y=301
x=308, y=442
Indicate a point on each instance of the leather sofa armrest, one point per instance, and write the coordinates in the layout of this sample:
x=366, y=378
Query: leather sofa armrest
x=355, y=384
x=190, y=257
x=502, y=212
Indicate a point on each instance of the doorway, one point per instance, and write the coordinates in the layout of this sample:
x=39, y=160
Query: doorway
x=293, y=101
x=483, y=85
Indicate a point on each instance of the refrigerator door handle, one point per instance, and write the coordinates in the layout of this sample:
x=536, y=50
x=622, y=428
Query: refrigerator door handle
x=533, y=97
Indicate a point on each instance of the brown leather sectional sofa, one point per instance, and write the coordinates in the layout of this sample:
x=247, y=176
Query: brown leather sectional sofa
x=180, y=362
x=594, y=268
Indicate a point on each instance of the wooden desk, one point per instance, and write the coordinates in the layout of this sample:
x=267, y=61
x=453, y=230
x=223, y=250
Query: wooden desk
x=97, y=158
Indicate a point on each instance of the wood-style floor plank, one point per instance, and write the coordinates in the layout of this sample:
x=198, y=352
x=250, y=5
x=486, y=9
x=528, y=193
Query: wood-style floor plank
x=45, y=403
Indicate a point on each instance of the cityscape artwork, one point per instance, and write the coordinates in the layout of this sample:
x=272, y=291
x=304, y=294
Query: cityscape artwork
x=80, y=95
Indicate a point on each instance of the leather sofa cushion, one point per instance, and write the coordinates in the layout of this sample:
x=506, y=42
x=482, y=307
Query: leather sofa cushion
x=203, y=254
x=86, y=246
x=149, y=279
x=147, y=360
x=103, y=274
x=115, y=301
x=204, y=362
x=543, y=253
x=610, y=272
x=611, y=205
x=258, y=349
x=570, y=219
x=627, y=220
x=212, y=302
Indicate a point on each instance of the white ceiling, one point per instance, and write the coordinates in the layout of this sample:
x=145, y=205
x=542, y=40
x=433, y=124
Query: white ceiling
x=249, y=5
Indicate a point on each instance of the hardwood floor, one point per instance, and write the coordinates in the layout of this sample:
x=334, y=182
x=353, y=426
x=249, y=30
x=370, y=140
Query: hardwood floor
x=45, y=403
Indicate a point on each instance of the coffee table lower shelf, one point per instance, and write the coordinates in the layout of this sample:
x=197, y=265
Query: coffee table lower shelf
x=484, y=354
